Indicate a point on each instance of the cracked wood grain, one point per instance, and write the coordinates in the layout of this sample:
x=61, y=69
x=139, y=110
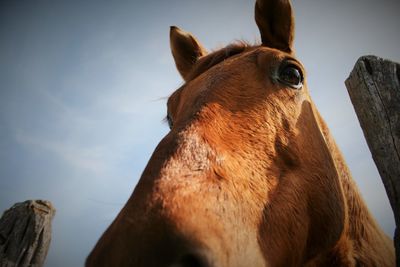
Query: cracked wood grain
x=25, y=234
x=374, y=89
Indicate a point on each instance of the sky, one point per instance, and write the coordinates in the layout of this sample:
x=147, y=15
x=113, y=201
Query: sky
x=83, y=87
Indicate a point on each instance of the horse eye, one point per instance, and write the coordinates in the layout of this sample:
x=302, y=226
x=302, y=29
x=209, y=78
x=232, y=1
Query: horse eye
x=169, y=120
x=291, y=75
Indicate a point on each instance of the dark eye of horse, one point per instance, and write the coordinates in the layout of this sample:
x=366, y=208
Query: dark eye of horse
x=169, y=120
x=291, y=75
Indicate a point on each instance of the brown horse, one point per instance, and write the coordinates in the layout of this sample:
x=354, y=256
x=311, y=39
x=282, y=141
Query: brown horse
x=249, y=174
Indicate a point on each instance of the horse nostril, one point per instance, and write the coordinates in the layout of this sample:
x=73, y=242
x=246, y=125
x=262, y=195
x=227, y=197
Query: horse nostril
x=192, y=260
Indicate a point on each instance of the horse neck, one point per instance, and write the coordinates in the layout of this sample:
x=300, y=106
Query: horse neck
x=361, y=231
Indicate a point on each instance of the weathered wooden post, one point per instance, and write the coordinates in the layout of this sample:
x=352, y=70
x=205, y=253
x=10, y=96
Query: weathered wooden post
x=374, y=89
x=25, y=233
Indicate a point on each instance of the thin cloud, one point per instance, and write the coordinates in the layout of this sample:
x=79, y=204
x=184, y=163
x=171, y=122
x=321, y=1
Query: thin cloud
x=87, y=158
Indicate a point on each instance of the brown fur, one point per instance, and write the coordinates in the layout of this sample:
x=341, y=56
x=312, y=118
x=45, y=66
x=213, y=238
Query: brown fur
x=249, y=175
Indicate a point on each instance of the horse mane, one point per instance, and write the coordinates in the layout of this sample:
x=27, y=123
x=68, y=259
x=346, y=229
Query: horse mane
x=214, y=58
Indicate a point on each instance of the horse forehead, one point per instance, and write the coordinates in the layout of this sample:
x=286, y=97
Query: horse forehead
x=214, y=68
x=233, y=52
x=220, y=74
x=243, y=64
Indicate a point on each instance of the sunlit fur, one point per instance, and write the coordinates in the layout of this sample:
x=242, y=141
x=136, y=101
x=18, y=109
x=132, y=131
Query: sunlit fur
x=249, y=174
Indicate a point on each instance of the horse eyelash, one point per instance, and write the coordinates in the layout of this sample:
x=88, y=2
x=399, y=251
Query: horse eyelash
x=168, y=120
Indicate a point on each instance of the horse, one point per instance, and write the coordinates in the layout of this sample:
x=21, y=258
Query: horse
x=249, y=174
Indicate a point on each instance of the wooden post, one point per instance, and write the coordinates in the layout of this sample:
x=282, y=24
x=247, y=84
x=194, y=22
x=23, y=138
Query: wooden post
x=374, y=89
x=25, y=233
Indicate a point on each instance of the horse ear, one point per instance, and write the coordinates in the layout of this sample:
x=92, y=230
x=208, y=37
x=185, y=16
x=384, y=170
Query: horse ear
x=186, y=50
x=275, y=21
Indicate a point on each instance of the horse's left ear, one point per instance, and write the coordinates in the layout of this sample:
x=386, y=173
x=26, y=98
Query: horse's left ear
x=276, y=23
x=185, y=49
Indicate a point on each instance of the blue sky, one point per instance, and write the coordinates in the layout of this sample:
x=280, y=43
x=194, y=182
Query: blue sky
x=83, y=87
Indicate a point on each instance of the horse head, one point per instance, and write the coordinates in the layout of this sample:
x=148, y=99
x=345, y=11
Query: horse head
x=245, y=177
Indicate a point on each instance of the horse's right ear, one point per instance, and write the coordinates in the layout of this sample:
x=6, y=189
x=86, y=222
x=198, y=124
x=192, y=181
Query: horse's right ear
x=186, y=50
x=275, y=21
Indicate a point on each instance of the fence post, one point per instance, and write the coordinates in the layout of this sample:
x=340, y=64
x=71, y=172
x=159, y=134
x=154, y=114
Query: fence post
x=25, y=234
x=374, y=89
